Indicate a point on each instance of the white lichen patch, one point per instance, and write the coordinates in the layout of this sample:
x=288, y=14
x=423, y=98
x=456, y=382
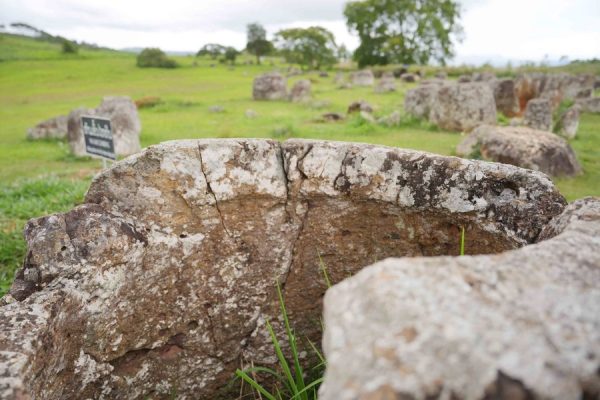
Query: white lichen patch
x=455, y=201
x=88, y=370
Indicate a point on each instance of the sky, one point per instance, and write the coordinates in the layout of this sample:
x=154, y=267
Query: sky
x=494, y=30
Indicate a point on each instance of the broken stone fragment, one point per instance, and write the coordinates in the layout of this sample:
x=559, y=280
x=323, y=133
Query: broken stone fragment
x=524, y=324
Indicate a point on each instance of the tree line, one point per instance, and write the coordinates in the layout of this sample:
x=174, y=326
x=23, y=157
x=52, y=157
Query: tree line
x=390, y=32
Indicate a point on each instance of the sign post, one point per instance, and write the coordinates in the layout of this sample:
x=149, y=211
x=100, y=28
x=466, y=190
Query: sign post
x=98, y=137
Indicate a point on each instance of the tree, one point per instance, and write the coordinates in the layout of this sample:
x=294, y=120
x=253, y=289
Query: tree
x=153, y=57
x=311, y=47
x=231, y=54
x=257, y=41
x=404, y=31
x=69, y=47
x=213, y=50
x=342, y=53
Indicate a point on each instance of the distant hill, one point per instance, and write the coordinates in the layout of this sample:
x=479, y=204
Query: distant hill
x=20, y=41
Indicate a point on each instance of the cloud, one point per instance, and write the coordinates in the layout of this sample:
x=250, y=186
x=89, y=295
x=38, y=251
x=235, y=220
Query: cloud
x=511, y=29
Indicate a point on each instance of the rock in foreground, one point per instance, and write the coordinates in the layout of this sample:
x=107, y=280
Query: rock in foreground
x=163, y=280
x=524, y=324
x=525, y=147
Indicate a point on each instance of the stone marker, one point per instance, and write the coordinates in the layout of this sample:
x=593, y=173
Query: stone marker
x=161, y=282
x=528, y=148
x=269, y=86
x=505, y=96
x=391, y=120
x=589, y=105
x=301, y=91
x=359, y=106
x=419, y=101
x=463, y=107
x=125, y=124
x=569, y=123
x=409, y=77
x=387, y=83
x=332, y=117
x=53, y=128
x=216, y=109
x=484, y=76
x=363, y=78
x=523, y=324
x=250, y=113
x=538, y=114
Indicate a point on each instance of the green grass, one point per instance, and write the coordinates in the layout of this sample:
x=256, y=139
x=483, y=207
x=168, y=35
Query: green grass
x=26, y=199
x=38, y=82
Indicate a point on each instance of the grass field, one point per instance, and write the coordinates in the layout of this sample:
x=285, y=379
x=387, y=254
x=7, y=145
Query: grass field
x=37, y=82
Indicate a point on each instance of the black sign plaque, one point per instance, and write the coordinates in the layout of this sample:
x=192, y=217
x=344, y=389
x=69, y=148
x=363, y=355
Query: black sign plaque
x=98, y=137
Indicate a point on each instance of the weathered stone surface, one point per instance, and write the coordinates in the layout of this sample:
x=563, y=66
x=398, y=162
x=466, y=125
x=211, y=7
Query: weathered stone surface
x=53, y=128
x=387, y=83
x=463, y=107
x=164, y=278
x=419, y=101
x=464, y=79
x=125, y=124
x=538, y=114
x=525, y=147
x=300, y=91
x=506, y=98
x=363, y=77
x=359, y=106
x=569, y=122
x=524, y=324
x=589, y=105
x=269, y=86
x=441, y=75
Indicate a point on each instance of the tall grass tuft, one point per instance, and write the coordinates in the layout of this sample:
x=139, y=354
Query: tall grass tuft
x=292, y=382
x=462, y=241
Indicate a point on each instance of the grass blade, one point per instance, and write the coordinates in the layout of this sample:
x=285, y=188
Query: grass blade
x=254, y=384
x=324, y=270
x=282, y=361
x=299, y=382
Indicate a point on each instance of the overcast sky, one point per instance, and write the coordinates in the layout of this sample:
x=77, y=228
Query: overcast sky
x=494, y=29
